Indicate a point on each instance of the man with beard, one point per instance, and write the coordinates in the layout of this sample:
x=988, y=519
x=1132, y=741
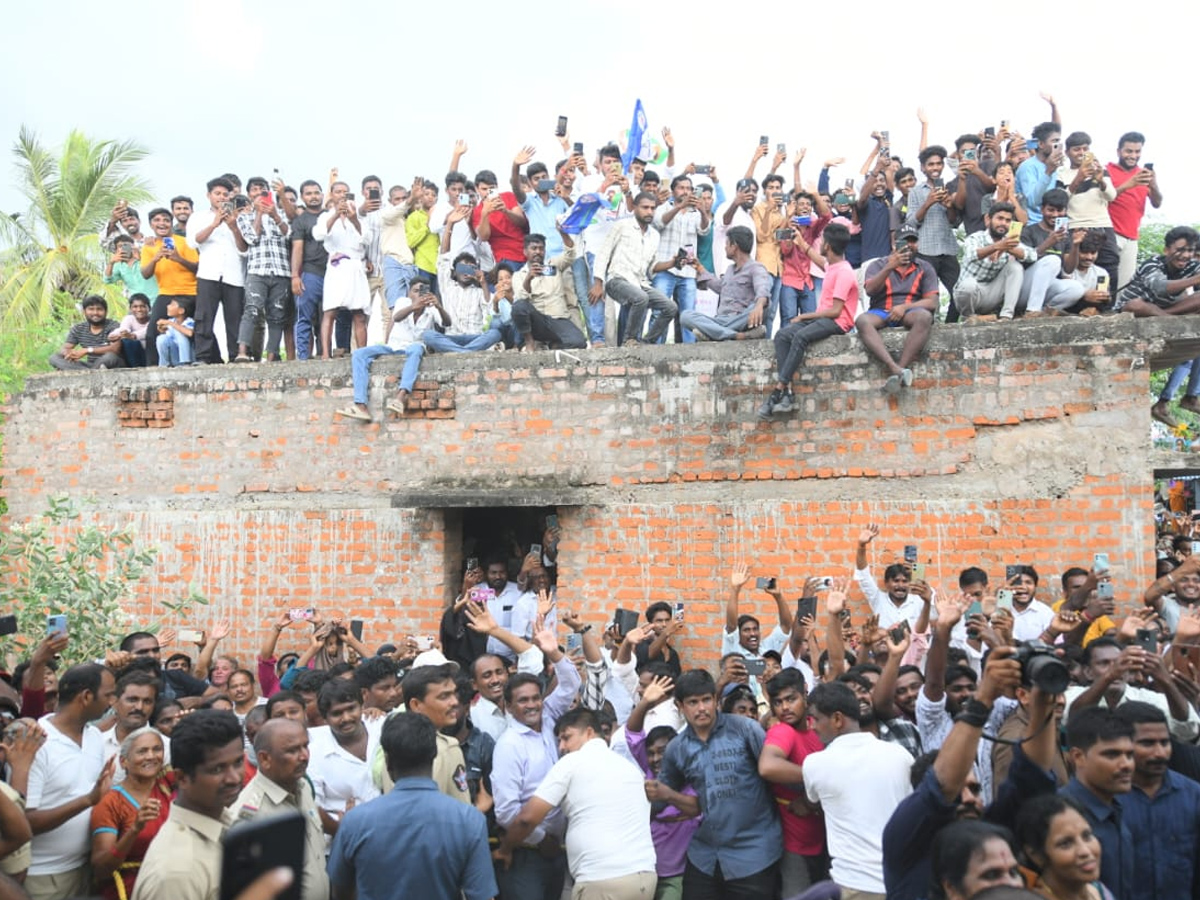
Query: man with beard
x=946, y=786
x=1175, y=591
x=308, y=263
x=743, y=634
x=172, y=264
x=992, y=270
x=524, y=755
x=1161, y=803
x=89, y=344
x=478, y=748
x=1135, y=185
x=221, y=275
x=184, y=859
x=874, y=205
x=858, y=780
x=181, y=211
x=543, y=310
x=736, y=849
x=430, y=691
x=1031, y=617
x=376, y=679
x=931, y=210
x=280, y=787
x=946, y=688
x=177, y=683
x=900, y=598
x=489, y=672
x=137, y=692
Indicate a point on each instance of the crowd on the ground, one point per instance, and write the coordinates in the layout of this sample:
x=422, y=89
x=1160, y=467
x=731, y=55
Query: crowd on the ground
x=1026, y=226
x=874, y=737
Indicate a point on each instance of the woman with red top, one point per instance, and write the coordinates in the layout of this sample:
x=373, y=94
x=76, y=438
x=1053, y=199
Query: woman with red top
x=129, y=816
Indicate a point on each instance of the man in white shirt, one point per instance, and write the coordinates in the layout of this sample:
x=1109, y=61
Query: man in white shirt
x=858, y=781
x=136, y=695
x=346, y=286
x=896, y=602
x=743, y=633
x=610, y=852
x=610, y=183
x=624, y=267
x=409, y=322
x=221, y=275
x=1031, y=617
x=68, y=777
x=341, y=752
x=456, y=195
x=523, y=757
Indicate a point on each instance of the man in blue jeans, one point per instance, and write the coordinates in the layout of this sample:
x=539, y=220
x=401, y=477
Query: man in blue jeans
x=680, y=224
x=744, y=292
x=408, y=324
x=309, y=260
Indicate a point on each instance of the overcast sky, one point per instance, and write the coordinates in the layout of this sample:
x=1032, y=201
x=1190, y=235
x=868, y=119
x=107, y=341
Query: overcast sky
x=382, y=87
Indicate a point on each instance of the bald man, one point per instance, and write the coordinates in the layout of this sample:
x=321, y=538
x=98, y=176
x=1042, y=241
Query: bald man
x=281, y=746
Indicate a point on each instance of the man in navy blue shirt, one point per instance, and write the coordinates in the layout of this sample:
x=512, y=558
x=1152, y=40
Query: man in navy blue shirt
x=735, y=852
x=414, y=841
x=1162, y=812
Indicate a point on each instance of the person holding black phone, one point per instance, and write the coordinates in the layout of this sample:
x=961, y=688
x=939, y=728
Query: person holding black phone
x=931, y=209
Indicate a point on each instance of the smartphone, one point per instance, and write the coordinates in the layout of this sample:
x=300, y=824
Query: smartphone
x=549, y=271
x=910, y=553
x=975, y=609
x=801, y=221
x=1031, y=144
x=1149, y=166
x=765, y=584
x=885, y=136
x=1061, y=223
x=1014, y=229
x=990, y=131
x=574, y=642
x=755, y=666
x=703, y=170
x=356, y=626
x=1147, y=640
x=578, y=149
x=784, y=234
x=464, y=199
x=255, y=847
x=1004, y=599
x=1102, y=283
x=850, y=184
x=782, y=148
x=626, y=620
x=302, y=615
x=764, y=141
x=1105, y=590
x=899, y=631
x=227, y=207
x=806, y=608
x=168, y=243
x=937, y=183
x=552, y=521
x=481, y=594
x=1196, y=548
x=472, y=564
x=241, y=201
x=1100, y=562
x=918, y=572
x=1003, y=124
x=560, y=130
x=545, y=185
x=373, y=193
x=969, y=154
x=8, y=625
x=1011, y=571
x=885, y=152
x=350, y=196
x=56, y=625
x=424, y=642
x=679, y=611
x=466, y=270
x=825, y=583
x=191, y=636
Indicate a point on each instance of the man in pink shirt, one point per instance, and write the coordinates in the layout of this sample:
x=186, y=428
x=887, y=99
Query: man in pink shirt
x=834, y=315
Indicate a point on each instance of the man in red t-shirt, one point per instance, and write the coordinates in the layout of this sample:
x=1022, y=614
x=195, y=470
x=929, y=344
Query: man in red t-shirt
x=504, y=227
x=780, y=763
x=1134, y=184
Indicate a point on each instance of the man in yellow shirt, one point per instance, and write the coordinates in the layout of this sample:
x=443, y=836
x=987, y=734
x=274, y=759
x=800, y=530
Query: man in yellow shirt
x=1093, y=609
x=171, y=261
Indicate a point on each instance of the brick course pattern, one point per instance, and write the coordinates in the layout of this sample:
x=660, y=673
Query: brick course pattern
x=1024, y=442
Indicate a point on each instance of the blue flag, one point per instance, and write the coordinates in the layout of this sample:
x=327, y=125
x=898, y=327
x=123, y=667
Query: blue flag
x=636, y=132
x=581, y=214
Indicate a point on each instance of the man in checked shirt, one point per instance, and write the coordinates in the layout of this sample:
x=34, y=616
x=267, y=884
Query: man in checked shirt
x=268, y=269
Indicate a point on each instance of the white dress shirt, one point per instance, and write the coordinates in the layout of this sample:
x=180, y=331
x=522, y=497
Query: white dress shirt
x=220, y=258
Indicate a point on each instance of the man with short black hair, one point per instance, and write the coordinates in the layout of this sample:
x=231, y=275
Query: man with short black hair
x=1039, y=173
x=903, y=289
x=542, y=309
x=268, y=270
x=308, y=263
x=834, y=315
x=1135, y=185
x=376, y=678
x=136, y=694
x=744, y=294
x=68, y=777
x=184, y=859
x=430, y=691
x=413, y=841
x=181, y=211
x=1053, y=255
x=342, y=752
x=474, y=318
x=500, y=221
x=931, y=209
x=221, y=276
x=735, y=851
x=89, y=344
x=681, y=222
x=992, y=272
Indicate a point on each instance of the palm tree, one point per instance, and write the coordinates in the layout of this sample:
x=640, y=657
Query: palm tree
x=50, y=254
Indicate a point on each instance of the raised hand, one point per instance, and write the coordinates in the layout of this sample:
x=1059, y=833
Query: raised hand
x=659, y=688
x=479, y=619
x=739, y=576
x=524, y=156
x=868, y=534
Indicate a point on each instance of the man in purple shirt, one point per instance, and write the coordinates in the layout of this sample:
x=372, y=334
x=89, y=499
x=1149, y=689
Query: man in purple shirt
x=744, y=290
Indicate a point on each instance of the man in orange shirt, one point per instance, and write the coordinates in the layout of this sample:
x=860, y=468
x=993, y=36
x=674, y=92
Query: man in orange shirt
x=171, y=261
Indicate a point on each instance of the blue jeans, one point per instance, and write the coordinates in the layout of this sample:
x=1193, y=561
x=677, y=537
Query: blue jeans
x=135, y=352
x=715, y=328
x=397, y=278
x=360, y=367
x=1188, y=370
x=683, y=292
x=593, y=312
x=174, y=348
x=531, y=877
x=793, y=301
x=436, y=342
x=773, y=305
x=308, y=313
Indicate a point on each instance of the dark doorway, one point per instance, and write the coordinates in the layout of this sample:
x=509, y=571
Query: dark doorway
x=508, y=531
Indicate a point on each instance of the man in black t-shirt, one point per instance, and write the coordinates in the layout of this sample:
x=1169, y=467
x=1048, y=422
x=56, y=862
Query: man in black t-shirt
x=904, y=294
x=88, y=344
x=309, y=260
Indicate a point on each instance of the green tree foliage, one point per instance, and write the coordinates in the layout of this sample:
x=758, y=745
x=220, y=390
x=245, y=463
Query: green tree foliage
x=56, y=565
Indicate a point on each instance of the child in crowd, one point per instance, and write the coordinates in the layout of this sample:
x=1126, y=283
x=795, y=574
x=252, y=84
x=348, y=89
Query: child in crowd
x=132, y=331
x=175, y=336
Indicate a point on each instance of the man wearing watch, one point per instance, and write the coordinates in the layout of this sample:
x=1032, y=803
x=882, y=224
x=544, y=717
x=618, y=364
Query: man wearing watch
x=89, y=344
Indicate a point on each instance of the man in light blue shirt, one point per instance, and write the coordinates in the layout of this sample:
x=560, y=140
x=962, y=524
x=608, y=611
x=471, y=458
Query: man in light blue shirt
x=1036, y=175
x=545, y=204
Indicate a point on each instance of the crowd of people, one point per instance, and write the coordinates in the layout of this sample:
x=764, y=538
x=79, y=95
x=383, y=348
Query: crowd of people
x=1027, y=225
x=875, y=737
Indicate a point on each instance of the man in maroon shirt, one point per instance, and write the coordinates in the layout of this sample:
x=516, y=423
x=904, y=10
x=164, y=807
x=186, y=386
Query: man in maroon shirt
x=499, y=220
x=1134, y=185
